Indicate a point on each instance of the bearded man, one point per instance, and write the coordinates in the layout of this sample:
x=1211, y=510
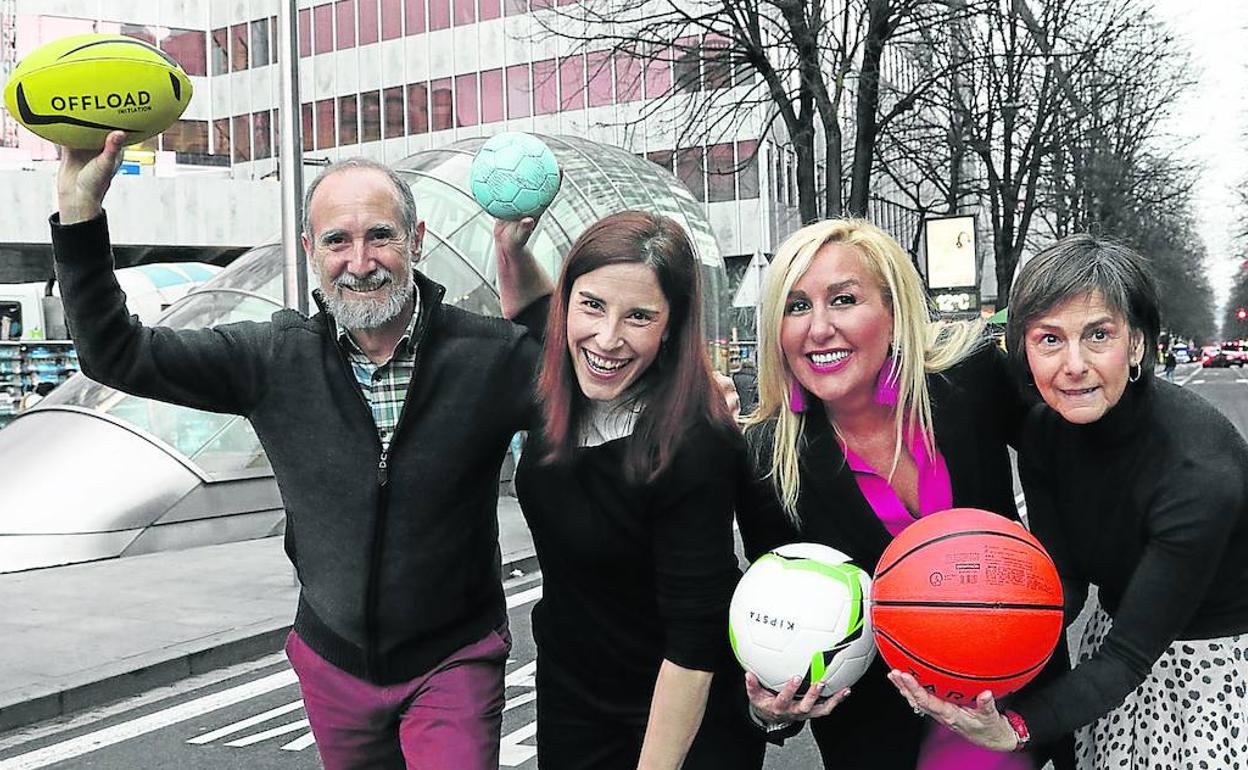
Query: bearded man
x=386, y=416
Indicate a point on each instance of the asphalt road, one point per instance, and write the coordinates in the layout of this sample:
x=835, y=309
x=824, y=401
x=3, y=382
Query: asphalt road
x=250, y=716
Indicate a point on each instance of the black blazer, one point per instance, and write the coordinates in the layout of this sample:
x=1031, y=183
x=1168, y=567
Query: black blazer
x=977, y=412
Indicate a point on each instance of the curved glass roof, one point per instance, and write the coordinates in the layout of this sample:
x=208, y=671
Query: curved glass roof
x=459, y=254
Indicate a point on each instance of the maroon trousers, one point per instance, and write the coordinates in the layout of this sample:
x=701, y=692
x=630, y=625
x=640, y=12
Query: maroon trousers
x=451, y=716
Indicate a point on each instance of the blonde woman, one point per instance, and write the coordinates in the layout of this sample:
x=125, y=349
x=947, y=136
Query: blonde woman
x=870, y=416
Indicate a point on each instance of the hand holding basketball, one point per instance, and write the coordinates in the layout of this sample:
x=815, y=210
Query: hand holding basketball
x=982, y=725
x=84, y=178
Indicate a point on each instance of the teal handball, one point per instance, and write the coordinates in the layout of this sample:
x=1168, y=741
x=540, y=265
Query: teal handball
x=514, y=175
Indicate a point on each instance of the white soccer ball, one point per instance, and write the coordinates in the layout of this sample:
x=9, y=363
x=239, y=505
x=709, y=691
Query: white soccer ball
x=803, y=610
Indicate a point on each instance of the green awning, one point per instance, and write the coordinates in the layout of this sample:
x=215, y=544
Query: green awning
x=999, y=317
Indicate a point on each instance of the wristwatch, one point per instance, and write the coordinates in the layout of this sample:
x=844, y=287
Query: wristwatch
x=768, y=727
x=1020, y=729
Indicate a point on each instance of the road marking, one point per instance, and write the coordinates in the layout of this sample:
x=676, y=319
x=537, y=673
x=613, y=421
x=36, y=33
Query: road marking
x=522, y=677
x=93, y=741
x=267, y=734
x=511, y=752
x=244, y=724
x=1196, y=382
x=300, y=743
x=524, y=597
x=1189, y=376
x=516, y=702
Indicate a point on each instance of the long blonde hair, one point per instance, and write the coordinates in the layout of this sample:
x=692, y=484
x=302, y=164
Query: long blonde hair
x=920, y=344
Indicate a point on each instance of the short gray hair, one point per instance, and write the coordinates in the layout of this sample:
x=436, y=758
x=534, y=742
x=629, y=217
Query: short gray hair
x=1078, y=265
x=402, y=193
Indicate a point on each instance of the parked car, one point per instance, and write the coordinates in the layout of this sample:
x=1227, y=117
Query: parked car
x=1212, y=356
x=1181, y=353
x=1236, y=353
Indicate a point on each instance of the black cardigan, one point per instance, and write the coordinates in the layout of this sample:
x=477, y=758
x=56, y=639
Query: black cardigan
x=1150, y=504
x=397, y=559
x=977, y=412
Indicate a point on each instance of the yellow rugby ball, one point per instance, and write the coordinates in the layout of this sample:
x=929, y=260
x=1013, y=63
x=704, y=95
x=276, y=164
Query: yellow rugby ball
x=75, y=90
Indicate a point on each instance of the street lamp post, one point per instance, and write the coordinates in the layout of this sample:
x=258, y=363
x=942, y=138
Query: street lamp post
x=290, y=162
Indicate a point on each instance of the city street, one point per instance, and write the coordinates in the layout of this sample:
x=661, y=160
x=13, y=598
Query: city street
x=250, y=716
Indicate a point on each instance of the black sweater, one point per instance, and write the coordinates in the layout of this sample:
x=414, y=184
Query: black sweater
x=632, y=573
x=1149, y=504
x=397, y=559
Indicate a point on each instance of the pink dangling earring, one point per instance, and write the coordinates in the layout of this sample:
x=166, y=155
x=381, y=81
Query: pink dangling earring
x=887, y=385
x=797, y=398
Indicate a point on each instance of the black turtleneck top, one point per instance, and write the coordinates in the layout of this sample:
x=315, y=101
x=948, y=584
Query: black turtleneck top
x=1150, y=505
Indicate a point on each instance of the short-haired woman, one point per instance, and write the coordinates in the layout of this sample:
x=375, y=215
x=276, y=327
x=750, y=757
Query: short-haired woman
x=870, y=416
x=1140, y=488
x=628, y=490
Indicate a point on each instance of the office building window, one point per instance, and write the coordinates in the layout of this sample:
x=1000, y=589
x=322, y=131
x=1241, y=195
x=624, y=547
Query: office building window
x=238, y=48
x=305, y=116
x=598, y=66
x=139, y=32
x=661, y=158
x=515, y=7
x=261, y=143
x=465, y=12
x=538, y=5
x=260, y=54
x=221, y=137
x=414, y=14
x=717, y=63
x=273, y=39
x=325, y=124
x=391, y=19
x=687, y=68
x=220, y=51
x=348, y=120
x=466, y=99
x=491, y=96
x=368, y=22
x=417, y=108
x=519, y=92
x=393, y=98
x=627, y=77
x=186, y=136
x=370, y=116
x=441, y=105
x=488, y=9
x=719, y=173
x=305, y=32
x=439, y=14
x=277, y=130
x=344, y=10
x=323, y=28
x=659, y=74
x=186, y=46
x=572, y=82
x=689, y=170
x=747, y=175
x=790, y=186
x=545, y=88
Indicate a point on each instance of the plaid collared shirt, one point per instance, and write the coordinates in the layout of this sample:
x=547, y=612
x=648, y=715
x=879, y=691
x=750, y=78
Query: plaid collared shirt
x=384, y=385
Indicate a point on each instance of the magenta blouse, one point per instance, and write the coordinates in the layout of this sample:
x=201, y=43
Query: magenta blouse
x=942, y=748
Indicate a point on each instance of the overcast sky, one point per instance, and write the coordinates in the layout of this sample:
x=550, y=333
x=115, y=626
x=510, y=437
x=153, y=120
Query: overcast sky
x=1214, y=117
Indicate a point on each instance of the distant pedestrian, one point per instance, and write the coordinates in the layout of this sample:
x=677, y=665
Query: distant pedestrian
x=385, y=416
x=1171, y=363
x=628, y=489
x=745, y=379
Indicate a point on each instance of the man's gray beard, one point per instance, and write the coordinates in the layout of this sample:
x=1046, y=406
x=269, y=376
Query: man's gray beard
x=370, y=313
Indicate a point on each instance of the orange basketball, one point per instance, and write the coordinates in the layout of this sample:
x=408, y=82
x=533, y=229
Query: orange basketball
x=966, y=601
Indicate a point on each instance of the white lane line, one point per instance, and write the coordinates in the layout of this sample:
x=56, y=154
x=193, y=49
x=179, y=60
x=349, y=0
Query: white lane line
x=516, y=702
x=93, y=741
x=244, y=724
x=1196, y=382
x=512, y=752
x=300, y=743
x=267, y=734
x=522, y=677
x=524, y=597
x=1189, y=376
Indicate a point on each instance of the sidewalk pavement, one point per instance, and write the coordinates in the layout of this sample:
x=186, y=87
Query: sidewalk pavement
x=78, y=636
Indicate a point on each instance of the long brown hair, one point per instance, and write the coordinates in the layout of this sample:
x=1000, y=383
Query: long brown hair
x=677, y=391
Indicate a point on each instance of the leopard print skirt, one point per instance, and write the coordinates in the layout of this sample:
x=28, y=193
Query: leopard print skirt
x=1191, y=713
